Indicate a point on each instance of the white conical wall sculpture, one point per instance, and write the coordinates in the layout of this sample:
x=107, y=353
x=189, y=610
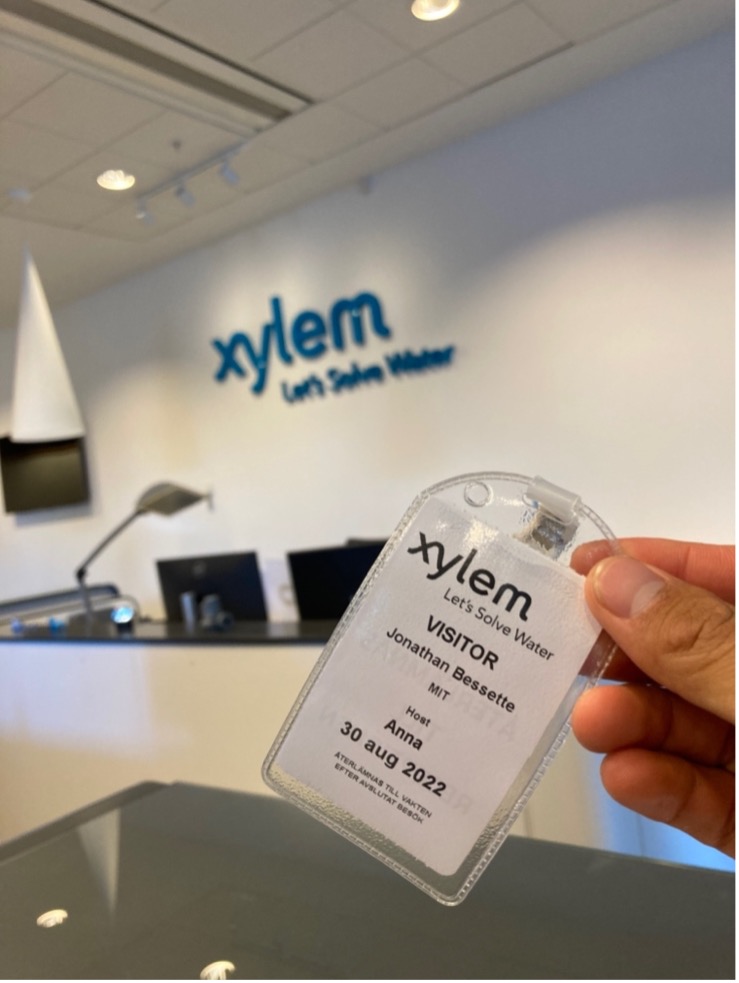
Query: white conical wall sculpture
x=44, y=405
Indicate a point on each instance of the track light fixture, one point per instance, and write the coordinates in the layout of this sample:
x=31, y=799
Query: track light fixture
x=143, y=214
x=185, y=195
x=178, y=183
x=227, y=172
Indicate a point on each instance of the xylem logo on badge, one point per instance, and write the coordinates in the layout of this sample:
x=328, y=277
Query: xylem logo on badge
x=481, y=580
x=310, y=336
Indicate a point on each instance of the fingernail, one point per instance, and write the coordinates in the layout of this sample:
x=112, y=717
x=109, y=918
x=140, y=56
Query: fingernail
x=624, y=586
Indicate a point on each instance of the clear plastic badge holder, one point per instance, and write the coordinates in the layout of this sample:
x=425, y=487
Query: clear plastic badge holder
x=447, y=687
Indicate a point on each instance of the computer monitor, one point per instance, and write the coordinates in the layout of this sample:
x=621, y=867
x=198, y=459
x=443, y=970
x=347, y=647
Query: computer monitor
x=44, y=474
x=234, y=577
x=325, y=580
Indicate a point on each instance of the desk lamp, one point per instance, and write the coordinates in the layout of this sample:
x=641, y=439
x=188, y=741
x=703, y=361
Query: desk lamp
x=164, y=498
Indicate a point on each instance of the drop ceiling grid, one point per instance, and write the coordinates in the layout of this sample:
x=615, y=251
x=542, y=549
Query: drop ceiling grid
x=37, y=154
x=580, y=20
x=85, y=109
x=175, y=141
x=402, y=93
x=54, y=138
x=331, y=56
x=21, y=77
x=60, y=206
x=391, y=18
x=496, y=47
x=238, y=31
x=384, y=97
x=152, y=142
x=280, y=37
x=102, y=127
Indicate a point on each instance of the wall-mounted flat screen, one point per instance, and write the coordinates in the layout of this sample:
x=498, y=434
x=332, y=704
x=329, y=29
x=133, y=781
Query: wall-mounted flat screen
x=43, y=475
x=234, y=577
x=325, y=580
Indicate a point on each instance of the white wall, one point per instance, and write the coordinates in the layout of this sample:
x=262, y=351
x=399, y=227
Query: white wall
x=581, y=260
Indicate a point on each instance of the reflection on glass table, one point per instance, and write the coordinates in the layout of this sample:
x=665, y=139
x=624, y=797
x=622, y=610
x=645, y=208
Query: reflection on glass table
x=187, y=882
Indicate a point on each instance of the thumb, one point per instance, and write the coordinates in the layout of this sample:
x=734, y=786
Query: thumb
x=681, y=636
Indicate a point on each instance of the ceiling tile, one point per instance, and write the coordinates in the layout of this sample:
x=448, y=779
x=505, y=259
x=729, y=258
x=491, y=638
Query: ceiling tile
x=259, y=165
x=22, y=76
x=581, y=19
x=14, y=181
x=36, y=153
x=330, y=57
x=175, y=141
x=319, y=132
x=395, y=19
x=400, y=94
x=84, y=109
x=239, y=30
x=123, y=224
x=59, y=206
x=496, y=47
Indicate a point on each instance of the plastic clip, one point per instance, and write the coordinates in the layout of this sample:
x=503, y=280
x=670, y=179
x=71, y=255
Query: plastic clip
x=556, y=519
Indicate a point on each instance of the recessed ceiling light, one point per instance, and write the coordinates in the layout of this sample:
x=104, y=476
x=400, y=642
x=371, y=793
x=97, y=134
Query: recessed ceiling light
x=50, y=919
x=217, y=971
x=116, y=180
x=433, y=9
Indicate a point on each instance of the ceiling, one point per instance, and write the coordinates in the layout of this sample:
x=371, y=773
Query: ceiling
x=299, y=96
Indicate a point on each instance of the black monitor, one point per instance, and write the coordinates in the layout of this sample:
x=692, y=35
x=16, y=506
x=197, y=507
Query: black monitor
x=325, y=580
x=234, y=577
x=44, y=474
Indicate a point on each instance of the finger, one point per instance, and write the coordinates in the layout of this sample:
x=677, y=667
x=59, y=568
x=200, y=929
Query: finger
x=682, y=637
x=608, y=718
x=696, y=799
x=707, y=566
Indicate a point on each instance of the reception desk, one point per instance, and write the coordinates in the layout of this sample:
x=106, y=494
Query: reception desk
x=176, y=633
x=160, y=882
x=84, y=713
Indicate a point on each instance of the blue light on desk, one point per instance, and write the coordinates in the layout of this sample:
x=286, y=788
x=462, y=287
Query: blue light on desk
x=123, y=617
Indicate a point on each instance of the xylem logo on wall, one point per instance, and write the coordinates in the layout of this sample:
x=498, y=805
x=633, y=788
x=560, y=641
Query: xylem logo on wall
x=349, y=324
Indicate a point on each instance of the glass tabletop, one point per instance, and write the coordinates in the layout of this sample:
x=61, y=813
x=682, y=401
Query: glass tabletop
x=177, y=881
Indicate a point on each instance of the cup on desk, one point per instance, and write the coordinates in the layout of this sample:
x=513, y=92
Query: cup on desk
x=189, y=608
x=212, y=614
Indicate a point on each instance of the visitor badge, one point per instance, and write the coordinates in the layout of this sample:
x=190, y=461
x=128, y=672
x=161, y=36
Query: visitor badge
x=446, y=688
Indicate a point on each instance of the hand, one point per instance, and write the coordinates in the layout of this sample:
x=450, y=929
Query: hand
x=668, y=732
